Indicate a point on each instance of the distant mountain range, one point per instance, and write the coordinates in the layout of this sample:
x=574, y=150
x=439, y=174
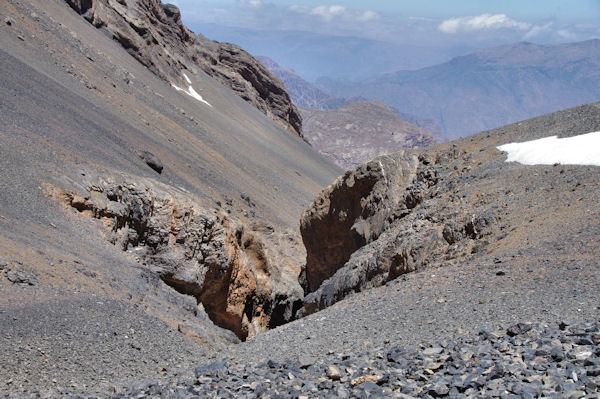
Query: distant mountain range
x=303, y=93
x=488, y=88
x=351, y=131
x=360, y=131
x=313, y=55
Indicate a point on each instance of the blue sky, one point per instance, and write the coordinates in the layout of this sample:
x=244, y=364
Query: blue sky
x=441, y=29
x=422, y=20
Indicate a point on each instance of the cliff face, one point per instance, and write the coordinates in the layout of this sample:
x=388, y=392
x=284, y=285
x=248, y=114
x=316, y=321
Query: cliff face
x=153, y=33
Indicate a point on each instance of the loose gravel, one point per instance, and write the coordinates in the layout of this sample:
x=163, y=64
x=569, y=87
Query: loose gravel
x=522, y=361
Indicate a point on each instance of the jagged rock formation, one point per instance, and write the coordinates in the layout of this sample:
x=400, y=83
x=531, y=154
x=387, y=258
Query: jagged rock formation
x=387, y=217
x=360, y=131
x=427, y=208
x=352, y=212
x=153, y=33
x=245, y=277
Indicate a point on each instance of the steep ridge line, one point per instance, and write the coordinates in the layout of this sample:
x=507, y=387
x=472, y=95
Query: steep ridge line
x=153, y=33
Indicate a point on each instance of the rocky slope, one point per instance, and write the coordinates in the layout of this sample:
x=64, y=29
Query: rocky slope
x=454, y=203
x=360, y=131
x=488, y=88
x=154, y=34
x=144, y=230
x=130, y=205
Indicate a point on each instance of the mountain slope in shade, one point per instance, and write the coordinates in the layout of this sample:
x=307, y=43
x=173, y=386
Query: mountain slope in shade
x=360, y=131
x=488, y=88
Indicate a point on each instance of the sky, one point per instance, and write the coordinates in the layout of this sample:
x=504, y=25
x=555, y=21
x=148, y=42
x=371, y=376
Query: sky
x=420, y=22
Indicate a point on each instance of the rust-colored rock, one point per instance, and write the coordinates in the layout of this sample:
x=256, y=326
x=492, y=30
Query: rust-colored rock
x=245, y=277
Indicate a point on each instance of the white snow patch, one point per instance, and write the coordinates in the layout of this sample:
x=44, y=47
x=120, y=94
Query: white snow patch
x=577, y=150
x=191, y=92
x=187, y=79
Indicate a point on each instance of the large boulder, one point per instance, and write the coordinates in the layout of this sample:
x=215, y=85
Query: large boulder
x=153, y=33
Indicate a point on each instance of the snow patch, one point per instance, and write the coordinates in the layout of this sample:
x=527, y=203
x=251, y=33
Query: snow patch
x=577, y=150
x=191, y=92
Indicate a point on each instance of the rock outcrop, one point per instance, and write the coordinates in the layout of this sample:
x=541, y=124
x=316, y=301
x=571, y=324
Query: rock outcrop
x=245, y=277
x=353, y=212
x=389, y=216
x=153, y=33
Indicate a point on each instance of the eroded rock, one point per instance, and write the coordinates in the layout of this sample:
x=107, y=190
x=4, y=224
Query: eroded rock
x=246, y=277
x=390, y=216
x=353, y=212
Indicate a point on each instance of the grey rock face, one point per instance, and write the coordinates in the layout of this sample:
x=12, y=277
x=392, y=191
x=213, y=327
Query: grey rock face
x=386, y=218
x=154, y=34
x=353, y=212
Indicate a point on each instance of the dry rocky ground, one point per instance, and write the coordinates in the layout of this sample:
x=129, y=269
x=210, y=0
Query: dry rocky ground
x=137, y=248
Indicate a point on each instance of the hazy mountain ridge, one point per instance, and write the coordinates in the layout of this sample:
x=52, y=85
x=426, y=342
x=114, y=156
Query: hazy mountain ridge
x=314, y=55
x=488, y=88
x=303, y=93
x=351, y=131
x=360, y=131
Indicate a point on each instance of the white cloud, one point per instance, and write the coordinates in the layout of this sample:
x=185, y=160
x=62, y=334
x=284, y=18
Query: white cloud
x=481, y=22
x=538, y=30
x=368, y=16
x=250, y=3
x=329, y=13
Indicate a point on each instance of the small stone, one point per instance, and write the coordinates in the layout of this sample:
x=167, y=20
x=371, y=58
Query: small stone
x=8, y=21
x=562, y=325
x=500, y=273
x=593, y=372
x=364, y=378
x=334, y=373
x=518, y=329
x=152, y=161
x=305, y=361
x=439, y=389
